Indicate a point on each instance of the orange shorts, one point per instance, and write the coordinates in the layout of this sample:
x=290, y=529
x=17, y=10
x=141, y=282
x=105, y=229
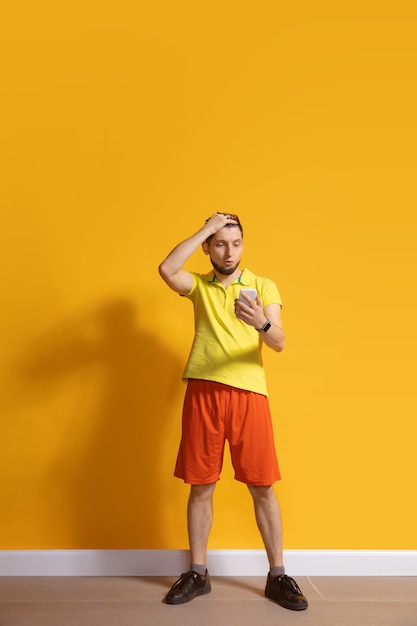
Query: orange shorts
x=214, y=412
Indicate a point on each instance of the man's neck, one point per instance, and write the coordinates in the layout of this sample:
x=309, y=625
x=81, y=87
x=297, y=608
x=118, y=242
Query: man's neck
x=227, y=279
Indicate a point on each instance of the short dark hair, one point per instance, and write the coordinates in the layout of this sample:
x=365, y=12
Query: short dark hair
x=235, y=222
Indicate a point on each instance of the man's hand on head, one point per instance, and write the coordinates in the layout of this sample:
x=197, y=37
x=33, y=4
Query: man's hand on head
x=218, y=221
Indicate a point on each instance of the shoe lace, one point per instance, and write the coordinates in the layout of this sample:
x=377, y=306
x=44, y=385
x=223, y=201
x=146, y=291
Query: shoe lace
x=182, y=581
x=290, y=584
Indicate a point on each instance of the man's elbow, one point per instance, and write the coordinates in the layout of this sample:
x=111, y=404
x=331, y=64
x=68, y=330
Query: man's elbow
x=163, y=270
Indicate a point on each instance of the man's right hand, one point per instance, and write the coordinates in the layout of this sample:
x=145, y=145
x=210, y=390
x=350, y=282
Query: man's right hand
x=218, y=221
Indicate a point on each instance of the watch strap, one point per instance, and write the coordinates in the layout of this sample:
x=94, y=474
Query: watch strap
x=265, y=327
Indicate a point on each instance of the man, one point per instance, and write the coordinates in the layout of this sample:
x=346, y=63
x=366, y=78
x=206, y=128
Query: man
x=226, y=398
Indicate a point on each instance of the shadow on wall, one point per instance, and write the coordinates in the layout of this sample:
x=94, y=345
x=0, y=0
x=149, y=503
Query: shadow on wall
x=105, y=477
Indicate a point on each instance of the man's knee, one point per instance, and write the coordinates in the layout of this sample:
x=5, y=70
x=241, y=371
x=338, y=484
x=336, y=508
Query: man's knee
x=261, y=492
x=202, y=491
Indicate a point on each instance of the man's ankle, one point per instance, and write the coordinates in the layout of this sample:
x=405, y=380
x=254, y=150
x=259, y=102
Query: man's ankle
x=276, y=571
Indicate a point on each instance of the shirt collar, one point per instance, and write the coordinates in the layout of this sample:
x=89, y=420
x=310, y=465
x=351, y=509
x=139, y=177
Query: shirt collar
x=246, y=278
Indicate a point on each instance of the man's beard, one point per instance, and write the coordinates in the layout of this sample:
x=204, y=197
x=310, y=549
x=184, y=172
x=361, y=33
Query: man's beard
x=225, y=271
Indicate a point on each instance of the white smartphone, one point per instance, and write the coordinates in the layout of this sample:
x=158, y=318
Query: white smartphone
x=249, y=292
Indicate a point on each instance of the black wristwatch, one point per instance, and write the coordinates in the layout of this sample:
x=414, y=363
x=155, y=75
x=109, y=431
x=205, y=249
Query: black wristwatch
x=265, y=327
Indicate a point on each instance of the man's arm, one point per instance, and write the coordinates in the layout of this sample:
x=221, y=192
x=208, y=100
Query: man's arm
x=171, y=268
x=254, y=314
x=275, y=336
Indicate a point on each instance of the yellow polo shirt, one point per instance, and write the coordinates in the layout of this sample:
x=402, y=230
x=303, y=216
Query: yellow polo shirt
x=225, y=349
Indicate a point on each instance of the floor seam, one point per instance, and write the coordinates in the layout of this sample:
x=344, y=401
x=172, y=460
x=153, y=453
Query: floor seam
x=315, y=588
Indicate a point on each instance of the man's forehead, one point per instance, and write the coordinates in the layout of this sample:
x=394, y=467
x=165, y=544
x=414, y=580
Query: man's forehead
x=229, y=231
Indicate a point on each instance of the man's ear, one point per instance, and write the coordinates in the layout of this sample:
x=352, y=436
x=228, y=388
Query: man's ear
x=205, y=247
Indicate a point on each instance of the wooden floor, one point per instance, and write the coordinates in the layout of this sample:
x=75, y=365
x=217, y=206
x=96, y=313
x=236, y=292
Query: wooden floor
x=102, y=601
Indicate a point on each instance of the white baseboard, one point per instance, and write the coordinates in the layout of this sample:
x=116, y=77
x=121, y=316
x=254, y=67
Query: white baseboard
x=219, y=562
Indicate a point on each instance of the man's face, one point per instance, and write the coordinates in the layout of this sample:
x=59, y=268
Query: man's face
x=225, y=249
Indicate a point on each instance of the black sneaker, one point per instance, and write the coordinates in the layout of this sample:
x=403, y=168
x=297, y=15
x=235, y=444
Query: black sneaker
x=285, y=591
x=188, y=586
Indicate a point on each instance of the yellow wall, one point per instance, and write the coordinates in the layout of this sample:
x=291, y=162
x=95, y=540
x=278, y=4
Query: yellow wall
x=122, y=129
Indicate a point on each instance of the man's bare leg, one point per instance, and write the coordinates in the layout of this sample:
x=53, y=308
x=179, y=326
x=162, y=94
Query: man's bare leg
x=195, y=582
x=280, y=588
x=268, y=518
x=200, y=517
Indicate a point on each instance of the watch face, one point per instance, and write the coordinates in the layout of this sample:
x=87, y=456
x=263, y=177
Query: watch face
x=266, y=327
